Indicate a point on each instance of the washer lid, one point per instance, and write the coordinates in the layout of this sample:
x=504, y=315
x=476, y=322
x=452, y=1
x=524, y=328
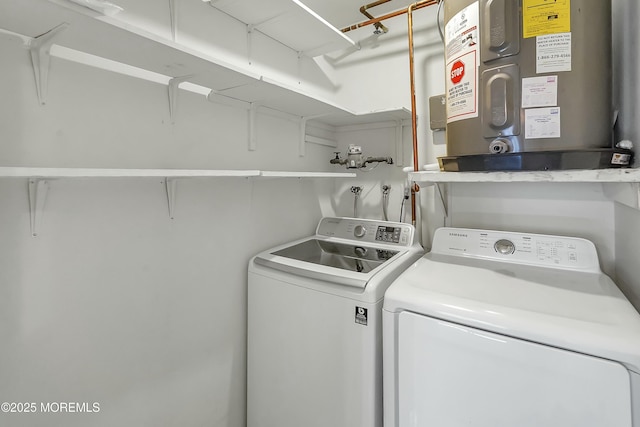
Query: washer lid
x=578, y=310
x=330, y=260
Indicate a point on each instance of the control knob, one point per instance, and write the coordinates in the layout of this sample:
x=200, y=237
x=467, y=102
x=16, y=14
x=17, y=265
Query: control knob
x=359, y=231
x=504, y=247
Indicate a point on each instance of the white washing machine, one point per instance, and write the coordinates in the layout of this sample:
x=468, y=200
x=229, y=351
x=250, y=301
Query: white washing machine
x=498, y=329
x=315, y=327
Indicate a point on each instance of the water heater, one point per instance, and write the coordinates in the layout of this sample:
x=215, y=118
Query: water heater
x=529, y=85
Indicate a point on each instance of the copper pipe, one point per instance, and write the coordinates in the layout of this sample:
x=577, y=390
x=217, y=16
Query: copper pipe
x=418, y=5
x=363, y=10
x=414, y=117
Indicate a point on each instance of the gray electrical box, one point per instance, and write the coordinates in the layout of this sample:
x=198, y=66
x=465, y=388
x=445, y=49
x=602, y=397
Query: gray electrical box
x=438, y=112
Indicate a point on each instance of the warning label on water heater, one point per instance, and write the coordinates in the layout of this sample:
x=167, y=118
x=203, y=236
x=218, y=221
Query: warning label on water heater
x=540, y=17
x=462, y=92
x=553, y=53
x=461, y=40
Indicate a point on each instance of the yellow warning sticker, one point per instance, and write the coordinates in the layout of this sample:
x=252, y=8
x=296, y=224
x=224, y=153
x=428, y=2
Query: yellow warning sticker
x=540, y=17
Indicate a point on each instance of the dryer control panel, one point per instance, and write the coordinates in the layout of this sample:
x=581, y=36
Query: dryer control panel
x=522, y=248
x=367, y=230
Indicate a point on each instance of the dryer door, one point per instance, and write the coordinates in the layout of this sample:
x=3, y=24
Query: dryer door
x=451, y=376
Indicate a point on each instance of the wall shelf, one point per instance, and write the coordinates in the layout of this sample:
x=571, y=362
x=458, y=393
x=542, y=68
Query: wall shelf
x=53, y=173
x=57, y=173
x=288, y=22
x=107, y=37
x=399, y=114
x=278, y=174
x=595, y=176
x=38, y=179
x=619, y=185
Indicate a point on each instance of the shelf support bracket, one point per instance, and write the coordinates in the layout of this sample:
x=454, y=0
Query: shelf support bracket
x=250, y=28
x=626, y=193
x=445, y=206
x=173, y=95
x=39, y=48
x=302, y=146
x=170, y=186
x=399, y=145
x=253, y=109
x=304, y=138
x=38, y=189
x=173, y=11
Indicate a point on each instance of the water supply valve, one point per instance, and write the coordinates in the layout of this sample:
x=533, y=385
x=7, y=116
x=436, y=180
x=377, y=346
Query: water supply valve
x=356, y=160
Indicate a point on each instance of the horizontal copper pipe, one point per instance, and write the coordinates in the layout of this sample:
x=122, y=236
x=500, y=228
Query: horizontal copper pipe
x=416, y=6
x=364, y=8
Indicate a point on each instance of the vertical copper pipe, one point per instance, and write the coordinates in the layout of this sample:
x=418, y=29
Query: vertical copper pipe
x=414, y=117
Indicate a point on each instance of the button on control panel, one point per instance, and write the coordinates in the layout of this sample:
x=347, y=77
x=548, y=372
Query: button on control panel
x=359, y=230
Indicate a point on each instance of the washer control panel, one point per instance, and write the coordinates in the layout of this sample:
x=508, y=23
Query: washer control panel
x=366, y=230
x=521, y=248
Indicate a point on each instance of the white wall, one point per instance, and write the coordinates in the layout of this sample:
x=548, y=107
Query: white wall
x=625, y=49
x=114, y=302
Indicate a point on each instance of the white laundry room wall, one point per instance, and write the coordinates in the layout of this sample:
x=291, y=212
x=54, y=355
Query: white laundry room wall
x=114, y=302
x=627, y=93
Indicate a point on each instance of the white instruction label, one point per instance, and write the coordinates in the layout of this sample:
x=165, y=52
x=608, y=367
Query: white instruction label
x=540, y=91
x=461, y=41
x=620, y=159
x=542, y=123
x=553, y=53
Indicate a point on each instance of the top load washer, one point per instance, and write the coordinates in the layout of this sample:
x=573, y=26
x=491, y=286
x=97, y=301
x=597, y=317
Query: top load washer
x=314, y=324
x=509, y=329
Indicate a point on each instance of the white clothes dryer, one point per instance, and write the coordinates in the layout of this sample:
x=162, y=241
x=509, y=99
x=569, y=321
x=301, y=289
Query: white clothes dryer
x=315, y=324
x=499, y=329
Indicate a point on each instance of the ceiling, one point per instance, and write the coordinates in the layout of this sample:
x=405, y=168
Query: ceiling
x=342, y=13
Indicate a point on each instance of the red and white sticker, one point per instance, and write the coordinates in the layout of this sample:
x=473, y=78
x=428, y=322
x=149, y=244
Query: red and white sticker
x=461, y=41
x=462, y=88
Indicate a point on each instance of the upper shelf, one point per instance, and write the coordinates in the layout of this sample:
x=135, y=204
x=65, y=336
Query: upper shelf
x=597, y=175
x=115, y=40
x=288, y=21
x=339, y=120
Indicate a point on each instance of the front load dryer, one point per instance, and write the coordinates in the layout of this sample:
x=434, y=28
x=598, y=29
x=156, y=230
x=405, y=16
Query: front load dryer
x=499, y=329
x=314, y=324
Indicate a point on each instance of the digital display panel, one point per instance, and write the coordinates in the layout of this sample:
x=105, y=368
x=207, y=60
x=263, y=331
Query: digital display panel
x=388, y=234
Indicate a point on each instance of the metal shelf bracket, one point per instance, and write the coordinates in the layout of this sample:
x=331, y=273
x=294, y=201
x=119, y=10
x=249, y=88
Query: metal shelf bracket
x=399, y=145
x=39, y=48
x=443, y=199
x=171, y=187
x=173, y=11
x=302, y=147
x=173, y=95
x=626, y=193
x=38, y=189
x=253, y=142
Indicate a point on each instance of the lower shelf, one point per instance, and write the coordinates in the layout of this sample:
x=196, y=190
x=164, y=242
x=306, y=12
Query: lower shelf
x=53, y=173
